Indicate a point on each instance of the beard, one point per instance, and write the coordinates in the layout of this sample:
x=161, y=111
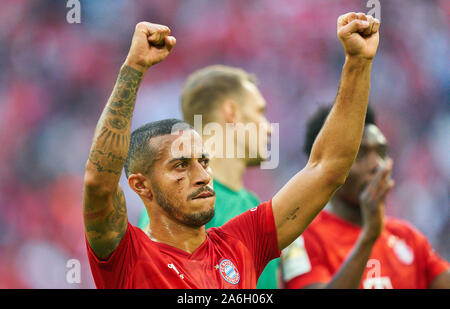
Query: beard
x=169, y=205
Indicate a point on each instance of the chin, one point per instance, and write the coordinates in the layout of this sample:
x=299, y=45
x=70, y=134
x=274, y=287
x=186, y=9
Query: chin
x=202, y=204
x=199, y=218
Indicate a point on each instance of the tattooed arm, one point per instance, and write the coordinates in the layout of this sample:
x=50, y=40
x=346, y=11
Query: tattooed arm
x=337, y=144
x=104, y=208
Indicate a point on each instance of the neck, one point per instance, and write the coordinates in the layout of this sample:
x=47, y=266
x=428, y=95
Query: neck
x=229, y=172
x=345, y=210
x=166, y=230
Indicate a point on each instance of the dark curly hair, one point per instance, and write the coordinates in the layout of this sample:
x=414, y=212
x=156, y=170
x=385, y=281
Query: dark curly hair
x=315, y=123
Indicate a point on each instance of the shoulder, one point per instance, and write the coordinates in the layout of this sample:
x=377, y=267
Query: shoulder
x=257, y=220
x=401, y=226
x=139, y=238
x=138, y=231
x=223, y=238
x=405, y=230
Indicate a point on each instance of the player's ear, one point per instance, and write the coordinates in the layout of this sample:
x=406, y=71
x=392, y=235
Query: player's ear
x=141, y=185
x=229, y=111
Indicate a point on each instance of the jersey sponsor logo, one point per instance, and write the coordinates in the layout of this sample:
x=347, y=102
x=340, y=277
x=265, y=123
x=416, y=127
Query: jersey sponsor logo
x=171, y=266
x=229, y=272
x=403, y=252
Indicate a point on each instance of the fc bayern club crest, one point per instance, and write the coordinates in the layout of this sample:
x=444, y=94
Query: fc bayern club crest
x=229, y=272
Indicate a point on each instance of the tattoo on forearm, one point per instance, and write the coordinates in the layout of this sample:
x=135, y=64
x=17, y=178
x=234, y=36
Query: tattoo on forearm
x=105, y=236
x=105, y=219
x=111, y=139
x=115, y=219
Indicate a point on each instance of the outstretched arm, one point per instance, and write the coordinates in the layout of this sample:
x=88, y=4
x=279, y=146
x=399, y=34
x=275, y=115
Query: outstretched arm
x=337, y=144
x=104, y=208
x=372, y=203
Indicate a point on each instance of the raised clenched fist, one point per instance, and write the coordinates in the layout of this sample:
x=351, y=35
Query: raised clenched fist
x=359, y=34
x=151, y=44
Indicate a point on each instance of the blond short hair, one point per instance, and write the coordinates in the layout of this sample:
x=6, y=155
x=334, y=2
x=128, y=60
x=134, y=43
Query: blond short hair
x=206, y=88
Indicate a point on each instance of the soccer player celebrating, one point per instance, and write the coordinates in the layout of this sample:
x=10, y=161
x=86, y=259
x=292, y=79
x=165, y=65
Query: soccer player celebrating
x=176, y=185
x=351, y=243
x=224, y=95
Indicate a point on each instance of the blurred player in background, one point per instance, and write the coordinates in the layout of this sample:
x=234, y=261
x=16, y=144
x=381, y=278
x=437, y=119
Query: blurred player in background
x=176, y=188
x=352, y=244
x=226, y=95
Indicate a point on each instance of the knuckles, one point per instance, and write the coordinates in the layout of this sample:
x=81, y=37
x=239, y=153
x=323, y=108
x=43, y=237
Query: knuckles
x=141, y=26
x=154, y=28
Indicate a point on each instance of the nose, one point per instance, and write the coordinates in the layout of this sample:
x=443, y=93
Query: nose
x=374, y=161
x=200, y=175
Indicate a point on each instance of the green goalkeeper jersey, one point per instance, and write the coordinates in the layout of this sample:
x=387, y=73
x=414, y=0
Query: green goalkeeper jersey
x=230, y=203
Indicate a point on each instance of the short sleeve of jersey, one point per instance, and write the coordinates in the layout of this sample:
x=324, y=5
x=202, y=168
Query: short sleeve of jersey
x=304, y=262
x=111, y=273
x=432, y=263
x=256, y=229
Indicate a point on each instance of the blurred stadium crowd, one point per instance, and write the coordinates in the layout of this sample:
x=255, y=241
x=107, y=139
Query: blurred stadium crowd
x=55, y=78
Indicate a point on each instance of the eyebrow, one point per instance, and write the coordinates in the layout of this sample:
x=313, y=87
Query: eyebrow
x=204, y=156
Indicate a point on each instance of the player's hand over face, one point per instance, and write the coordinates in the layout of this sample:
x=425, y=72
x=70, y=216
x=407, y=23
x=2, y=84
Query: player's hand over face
x=358, y=34
x=151, y=44
x=373, y=199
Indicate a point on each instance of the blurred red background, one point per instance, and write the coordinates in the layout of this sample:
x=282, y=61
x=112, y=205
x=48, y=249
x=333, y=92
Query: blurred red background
x=55, y=78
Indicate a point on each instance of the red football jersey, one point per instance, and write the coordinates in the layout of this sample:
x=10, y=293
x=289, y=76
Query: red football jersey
x=232, y=256
x=401, y=258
